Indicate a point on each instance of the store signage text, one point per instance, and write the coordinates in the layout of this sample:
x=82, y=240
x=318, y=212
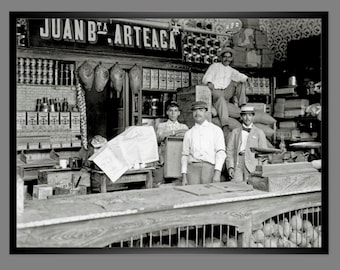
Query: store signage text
x=117, y=34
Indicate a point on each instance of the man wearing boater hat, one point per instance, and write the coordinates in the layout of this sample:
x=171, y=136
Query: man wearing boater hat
x=240, y=160
x=218, y=78
x=203, y=152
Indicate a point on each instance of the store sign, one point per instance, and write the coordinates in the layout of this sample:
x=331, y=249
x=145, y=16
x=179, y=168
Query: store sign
x=107, y=34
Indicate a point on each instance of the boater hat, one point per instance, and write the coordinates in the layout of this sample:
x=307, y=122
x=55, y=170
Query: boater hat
x=247, y=109
x=199, y=105
x=224, y=50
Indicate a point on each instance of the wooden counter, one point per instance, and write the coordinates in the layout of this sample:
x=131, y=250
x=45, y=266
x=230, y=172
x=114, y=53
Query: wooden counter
x=97, y=220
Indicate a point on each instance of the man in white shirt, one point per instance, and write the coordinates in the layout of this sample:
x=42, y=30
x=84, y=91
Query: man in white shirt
x=240, y=160
x=219, y=78
x=203, y=152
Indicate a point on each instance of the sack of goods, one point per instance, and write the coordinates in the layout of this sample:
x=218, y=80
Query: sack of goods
x=268, y=131
x=264, y=118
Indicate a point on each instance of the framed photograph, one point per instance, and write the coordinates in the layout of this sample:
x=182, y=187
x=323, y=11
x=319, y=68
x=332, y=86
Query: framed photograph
x=96, y=166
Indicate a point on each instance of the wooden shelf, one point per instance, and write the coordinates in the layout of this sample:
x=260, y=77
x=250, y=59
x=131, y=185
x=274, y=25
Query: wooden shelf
x=49, y=149
x=160, y=90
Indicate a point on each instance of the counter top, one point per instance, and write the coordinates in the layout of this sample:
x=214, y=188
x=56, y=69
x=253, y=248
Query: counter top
x=95, y=206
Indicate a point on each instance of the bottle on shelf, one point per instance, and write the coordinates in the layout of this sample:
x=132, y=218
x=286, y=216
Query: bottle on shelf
x=65, y=105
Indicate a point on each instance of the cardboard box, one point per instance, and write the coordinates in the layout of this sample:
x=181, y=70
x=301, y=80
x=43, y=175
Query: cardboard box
x=41, y=192
x=75, y=121
x=54, y=119
x=185, y=79
x=146, y=78
x=185, y=98
x=194, y=78
x=177, y=79
x=32, y=118
x=64, y=119
x=43, y=118
x=154, y=79
x=21, y=120
x=170, y=79
x=162, y=75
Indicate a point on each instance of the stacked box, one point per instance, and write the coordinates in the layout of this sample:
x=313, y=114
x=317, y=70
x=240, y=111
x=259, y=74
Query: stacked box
x=285, y=133
x=294, y=113
x=256, y=82
x=154, y=79
x=41, y=192
x=267, y=86
x=200, y=78
x=267, y=58
x=21, y=120
x=43, y=118
x=257, y=106
x=75, y=122
x=185, y=98
x=194, y=78
x=285, y=91
x=162, y=75
x=32, y=118
x=177, y=79
x=185, y=79
x=146, y=78
x=296, y=103
x=53, y=119
x=240, y=57
x=170, y=79
x=64, y=119
x=261, y=40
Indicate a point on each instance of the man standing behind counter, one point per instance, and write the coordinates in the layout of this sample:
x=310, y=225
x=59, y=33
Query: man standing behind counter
x=169, y=128
x=203, y=152
x=240, y=160
x=218, y=78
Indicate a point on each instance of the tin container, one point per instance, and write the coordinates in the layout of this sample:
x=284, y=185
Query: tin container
x=292, y=81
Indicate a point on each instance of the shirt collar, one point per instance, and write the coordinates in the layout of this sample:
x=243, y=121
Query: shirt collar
x=204, y=124
x=172, y=123
x=250, y=126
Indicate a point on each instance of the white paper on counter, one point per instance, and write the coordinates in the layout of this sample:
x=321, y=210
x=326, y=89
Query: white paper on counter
x=136, y=145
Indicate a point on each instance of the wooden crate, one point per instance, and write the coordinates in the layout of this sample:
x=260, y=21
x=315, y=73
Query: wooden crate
x=101, y=183
x=62, y=178
x=172, y=157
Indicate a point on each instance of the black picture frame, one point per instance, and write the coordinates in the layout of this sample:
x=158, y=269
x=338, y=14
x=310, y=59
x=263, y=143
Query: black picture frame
x=324, y=130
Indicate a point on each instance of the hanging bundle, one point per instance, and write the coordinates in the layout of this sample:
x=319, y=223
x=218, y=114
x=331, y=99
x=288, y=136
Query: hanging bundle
x=101, y=77
x=82, y=108
x=117, y=78
x=86, y=75
x=135, y=76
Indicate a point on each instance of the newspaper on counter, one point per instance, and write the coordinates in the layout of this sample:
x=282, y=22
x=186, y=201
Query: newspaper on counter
x=136, y=145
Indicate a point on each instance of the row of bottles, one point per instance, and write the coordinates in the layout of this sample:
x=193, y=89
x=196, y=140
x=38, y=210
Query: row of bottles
x=52, y=105
x=156, y=105
x=45, y=72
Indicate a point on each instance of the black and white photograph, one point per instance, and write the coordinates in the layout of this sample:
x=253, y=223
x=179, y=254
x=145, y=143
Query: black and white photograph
x=169, y=132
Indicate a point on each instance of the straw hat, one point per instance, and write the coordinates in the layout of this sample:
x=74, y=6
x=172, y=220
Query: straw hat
x=247, y=109
x=224, y=50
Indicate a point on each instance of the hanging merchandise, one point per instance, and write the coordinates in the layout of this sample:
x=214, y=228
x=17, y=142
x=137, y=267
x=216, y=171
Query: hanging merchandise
x=101, y=77
x=135, y=76
x=86, y=75
x=117, y=78
x=82, y=109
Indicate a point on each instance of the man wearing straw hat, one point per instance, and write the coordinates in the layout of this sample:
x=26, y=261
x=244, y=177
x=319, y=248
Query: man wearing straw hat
x=203, y=152
x=240, y=160
x=218, y=78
